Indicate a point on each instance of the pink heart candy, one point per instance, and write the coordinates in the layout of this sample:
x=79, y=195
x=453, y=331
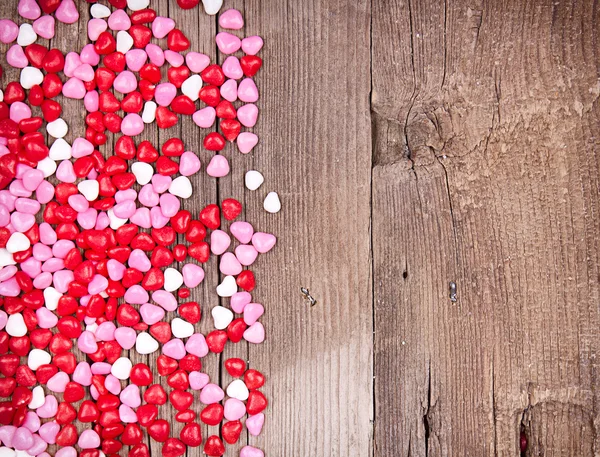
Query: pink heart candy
x=247, y=90
x=211, y=393
x=174, y=349
x=195, y=61
x=227, y=43
x=126, y=414
x=263, y=242
x=74, y=88
x=83, y=373
x=44, y=26
x=87, y=343
x=139, y=260
x=252, y=44
x=255, y=423
x=88, y=439
x=252, y=312
x=112, y=384
x=46, y=318
x=29, y=9
x=239, y=300
x=48, y=431
x=249, y=451
x=125, y=82
x=130, y=396
x=19, y=111
x=135, y=58
x=204, y=117
x=85, y=72
x=234, y=409
x=141, y=218
x=246, y=255
x=230, y=265
x=174, y=58
x=165, y=93
x=242, y=231
x=192, y=275
x=119, y=20
x=196, y=345
x=231, y=19
x=155, y=54
x=91, y=101
x=96, y=27
x=22, y=439
x=8, y=31
x=105, y=331
x=16, y=58
x=246, y=142
x=165, y=299
x=32, y=422
x=151, y=314
x=67, y=12
x=189, y=163
x=59, y=381
x=218, y=166
x=232, y=68
x=248, y=114
x=198, y=380
x=132, y=124
x=125, y=336
x=3, y=315
x=7, y=432
x=65, y=172
x=255, y=333
x=161, y=26
x=136, y=295
x=229, y=90
x=219, y=242
x=161, y=183
x=81, y=148
x=72, y=61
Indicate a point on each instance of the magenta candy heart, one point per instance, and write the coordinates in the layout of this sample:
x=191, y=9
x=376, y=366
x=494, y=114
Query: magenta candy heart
x=252, y=44
x=74, y=88
x=246, y=142
x=95, y=28
x=8, y=31
x=192, y=275
x=247, y=90
x=211, y=393
x=161, y=26
x=248, y=114
x=231, y=19
x=204, y=117
x=255, y=333
x=44, y=26
x=165, y=93
x=174, y=349
x=16, y=58
x=67, y=12
x=232, y=68
x=119, y=20
x=246, y=255
x=227, y=43
x=239, y=300
x=91, y=101
x=252, y=311
x=135, y=58
x=218, y=166
x=229, y=90
x=196, y=345
x=151, y=314
x=198, y=380
x=189, y=163
x=87, y=343
x=72, y=61
x=263, y=242
x=219, y=242
x=125, y=82
x=22, y=439
x=89, y=55
x=83, y=373
x=165, y=299
x=195, y=61
x=29, y=9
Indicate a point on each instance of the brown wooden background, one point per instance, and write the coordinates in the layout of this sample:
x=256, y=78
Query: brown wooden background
x=414, y=143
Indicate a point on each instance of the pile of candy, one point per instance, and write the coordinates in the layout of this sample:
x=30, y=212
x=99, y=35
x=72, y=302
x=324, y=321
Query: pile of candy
x=88, y=236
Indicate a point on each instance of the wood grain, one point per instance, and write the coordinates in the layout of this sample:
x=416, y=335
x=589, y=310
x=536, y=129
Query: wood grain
x=485, y=173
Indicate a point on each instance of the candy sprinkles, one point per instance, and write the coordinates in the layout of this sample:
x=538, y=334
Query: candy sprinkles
x=89, y=257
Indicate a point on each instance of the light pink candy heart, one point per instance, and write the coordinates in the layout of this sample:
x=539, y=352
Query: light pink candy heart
x=229, y=90
x=44, y=26
x=74, y=88
x=161, y=26
x=231, y=19
x=239, y=300
x=85, y=72
x=252, y=312
x=247, y=91
x=164, y=94
x=165, y=299
x=87, y=343
x=155, y=54
x=189, y=163
x=130, y=396
x=16, y=57
x=135, y=58
x=8, y=31
x=246, y=142
x=249, y=451
x=19, y=111
x=58, y=382
x=255, y=333
x=255, y=423
x=234, y=409
x=125, y=336
x=246, y=255
x=204, y=117
x=218, y=166
x=83, y=373
x=67, y=12
x=119, y=20
x=219, y=242
x=3, y=317
x=252, y=44
x=174, y=58
x=72, y=61
x=174, y=349
x=126, y=414
x=95, y=27
x=88, y=439
x=192, y=275
x=227, y=43
x=81, y=148
x=198, y=380
x=29, y=9
x=89, y=55
x=125, y=82
x=151, y=314
x=230, y=265
x=48, y=432
x=232, y=68
x=248, y=114
x=263, y=242
x=195, y=61
x=49, y=408
x=132, y=124
x=211, y=393
x=242, y=231
x=196, y=345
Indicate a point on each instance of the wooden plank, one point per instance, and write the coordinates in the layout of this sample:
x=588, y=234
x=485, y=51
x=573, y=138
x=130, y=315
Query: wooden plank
x=486, y=174
x=314, y=151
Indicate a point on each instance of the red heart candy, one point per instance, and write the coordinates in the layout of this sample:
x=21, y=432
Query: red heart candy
x=25, y=376
x=141, y=35
x=216, y=340
x=256, y=403
x=191, y=434
x=230, y=128
x=143, y=241
x=155, y=394
x=67, y=436
x=139, y=450
x=173, y=147
x=154, y=279
x=161, y=331
x=236, y=329
x=190, y=362
x=214, y=446
x=159, y=430
x=187, y=4
x=88, y=412
x=165, y=118
x=182, y=104
x=235, y=367
x=52, y=85
x=65, y=414
x=108, y=103
x=231, y=431
x=246, y=280
x=141, y=375
x=150, y=72
x=250, y=65
x=211, y=95
x=115, y=61
x=144, y=16
x=105, y=44
x=179, y=380
x=132, y=435
x=49, y=6
x=180, y=399
x=210, y=216
x=213, y=74
x=173, y=448
x=166, y=365
x=147, y=89
x=54, y=61
x=185, y=416
x=225, y=110
x=231, y=208
x=35, y=54
x=212, y=414
x=133, y=102
x=177, y=75
x=146, y=152
x=147, y=414
x=214, y=141
x=166, y=166
x=190, y=312
x=177, y=41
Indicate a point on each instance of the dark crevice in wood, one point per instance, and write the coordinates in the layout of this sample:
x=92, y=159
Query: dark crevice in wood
x=445, y=42
x=450, y=207
x=426, y=425
x=525, y=424
x=494, y=406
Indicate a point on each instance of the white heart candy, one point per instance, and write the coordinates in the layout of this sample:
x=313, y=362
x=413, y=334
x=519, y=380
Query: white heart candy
x=181, y=187
x=121, y=369
x=90, y=189
x=143, y=172
x=145, y=344
x=8, y=452
x=60, y=150
x=149, y=113
x=124, y=41
x=212, y=7
x=222, y=316
x=37, y=358
x=16, y=325
x=17, y=242
x=57, y=128
x=47, y=166
x=181, y=328
x=37, y=397
x=6, y=258
x=136, y=5
x=91, y=327
x=51, y=297
x=115, y=222
x=237, y=389
x=253, y=179
x=272, y=203
x=1, y=96
x=99, y=11
x=26, y=35
x=31, y=76
x=191, y=87
x=173, y=279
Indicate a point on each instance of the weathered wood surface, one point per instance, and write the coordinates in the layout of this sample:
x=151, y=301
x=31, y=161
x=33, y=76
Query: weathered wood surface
x=414, y=143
